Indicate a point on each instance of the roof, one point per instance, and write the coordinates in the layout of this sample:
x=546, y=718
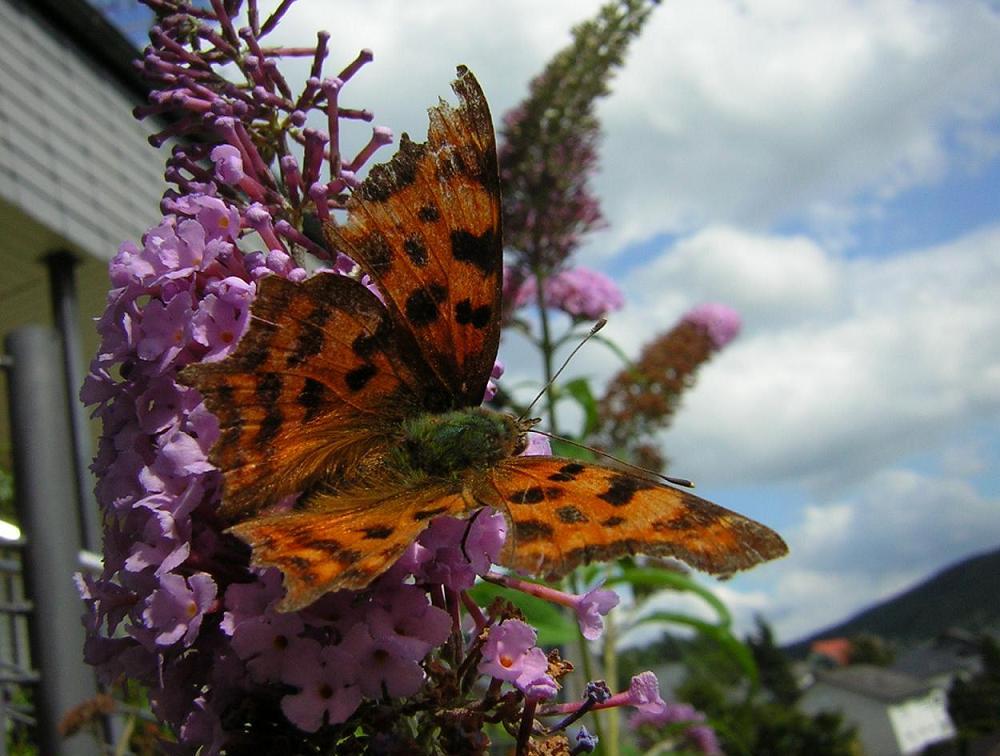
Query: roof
x=97, y=37
x=837, y=650
x=875, y=682
x=938, y=658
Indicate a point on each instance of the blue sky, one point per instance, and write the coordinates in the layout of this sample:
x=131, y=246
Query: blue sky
x=832, y=171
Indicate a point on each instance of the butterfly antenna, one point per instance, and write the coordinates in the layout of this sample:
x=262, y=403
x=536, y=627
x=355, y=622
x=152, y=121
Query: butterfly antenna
x=676, y=481
x=594, y=329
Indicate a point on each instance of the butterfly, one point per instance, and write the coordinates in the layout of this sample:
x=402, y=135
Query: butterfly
x=367, y=406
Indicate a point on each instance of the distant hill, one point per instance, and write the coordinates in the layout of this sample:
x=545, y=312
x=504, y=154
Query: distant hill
x=964, y=595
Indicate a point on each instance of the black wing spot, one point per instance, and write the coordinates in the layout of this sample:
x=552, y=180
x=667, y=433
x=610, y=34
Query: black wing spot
x=269, y=388
x=359, y=377
x=422, y=304
x=312, y=397
x=613, y=522
x=535, y=495
x=269, y=428
x=478, y=317
x=426, y=514
x=366, y=344
x=532, y=530
x=429, y=214
x=256, y=353
x=567, y=473
x=349, y=556
x=311, y=338
x=326, y=544
x=377, y=254
x=379, y=532
x=416, y=250
x=571, y=515
x=480, y=251
x=622, y=489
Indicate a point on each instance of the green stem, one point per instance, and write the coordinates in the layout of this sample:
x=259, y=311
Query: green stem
x=589, y=666
x=547, y=348
x=610, y=658
x=121, y=748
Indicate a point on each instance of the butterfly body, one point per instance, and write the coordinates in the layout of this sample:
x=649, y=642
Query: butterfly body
x=451, y=444
x=364, y=408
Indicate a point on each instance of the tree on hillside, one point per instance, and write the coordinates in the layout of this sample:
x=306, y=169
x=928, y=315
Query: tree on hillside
x=974, y=704
x=868, y=648
x=748, y=722
x=775, y=668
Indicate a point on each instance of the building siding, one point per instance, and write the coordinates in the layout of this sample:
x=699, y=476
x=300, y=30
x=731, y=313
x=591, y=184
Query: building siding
x=71, y=155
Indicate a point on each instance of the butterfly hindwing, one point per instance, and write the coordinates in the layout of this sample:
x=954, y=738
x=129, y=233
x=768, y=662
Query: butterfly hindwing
x=565, y=513
x=337, y=544
x=316, y=375
x=426, y=227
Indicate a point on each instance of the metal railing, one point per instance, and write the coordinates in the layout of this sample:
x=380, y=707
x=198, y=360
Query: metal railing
x=42, y=672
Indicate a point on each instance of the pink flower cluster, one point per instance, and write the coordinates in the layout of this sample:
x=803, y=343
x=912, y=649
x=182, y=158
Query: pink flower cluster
x=721, y=323
x=581, y=293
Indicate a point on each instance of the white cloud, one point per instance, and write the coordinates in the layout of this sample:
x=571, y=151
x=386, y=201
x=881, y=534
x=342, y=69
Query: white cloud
x=751, y=112
x=766, y=278
x=726, y=111
x=895, y=528
x=907, y=354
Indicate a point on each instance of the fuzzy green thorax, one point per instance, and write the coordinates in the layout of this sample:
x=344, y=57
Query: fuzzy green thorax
x=442, y=445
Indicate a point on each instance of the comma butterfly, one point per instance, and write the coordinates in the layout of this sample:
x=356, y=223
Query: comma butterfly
x=369, y=407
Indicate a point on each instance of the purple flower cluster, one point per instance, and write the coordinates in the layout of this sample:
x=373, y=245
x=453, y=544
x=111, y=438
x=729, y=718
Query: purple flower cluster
x=548, y=202
x=510, y=654
x=581, y=293
x=678, y=718
x=177, y=606
x=259, y=146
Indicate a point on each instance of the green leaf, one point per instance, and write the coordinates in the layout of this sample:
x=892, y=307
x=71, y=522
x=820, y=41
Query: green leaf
x=554, y=626
x=651, y=577
x=579, y=389
x=616, y=349
x=719, y=634
x=562, y=448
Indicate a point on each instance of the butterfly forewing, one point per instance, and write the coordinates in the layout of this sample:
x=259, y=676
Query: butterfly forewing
x=565, y=513
x=426, y=228
x=314, y=379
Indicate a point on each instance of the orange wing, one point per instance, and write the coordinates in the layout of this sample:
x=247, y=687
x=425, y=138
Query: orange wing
x=342, y=543
x=307, y=391
x=426, y=227
x=564, y=513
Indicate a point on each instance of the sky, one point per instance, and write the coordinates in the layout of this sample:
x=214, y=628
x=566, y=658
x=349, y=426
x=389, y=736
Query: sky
x=832, y=172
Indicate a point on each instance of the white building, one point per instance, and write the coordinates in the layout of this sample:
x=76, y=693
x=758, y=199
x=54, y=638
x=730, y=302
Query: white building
x=895, y=714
